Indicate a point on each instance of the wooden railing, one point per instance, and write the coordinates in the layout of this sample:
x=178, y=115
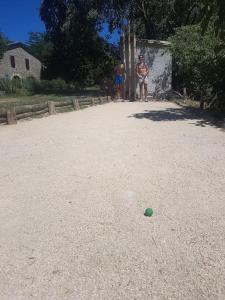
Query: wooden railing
x=10, y=116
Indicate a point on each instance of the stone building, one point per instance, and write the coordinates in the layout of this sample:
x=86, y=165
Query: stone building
x=157, y=57
x=18, y=62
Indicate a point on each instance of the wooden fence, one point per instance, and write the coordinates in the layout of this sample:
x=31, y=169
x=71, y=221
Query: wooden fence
x=10, y=116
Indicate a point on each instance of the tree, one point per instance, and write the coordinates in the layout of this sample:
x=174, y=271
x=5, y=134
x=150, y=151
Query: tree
x=195, y=57
x=79, y=52
x=153, y=19
x=3, y=43
x=199, y=62
x=40, y=46
x=214, y=11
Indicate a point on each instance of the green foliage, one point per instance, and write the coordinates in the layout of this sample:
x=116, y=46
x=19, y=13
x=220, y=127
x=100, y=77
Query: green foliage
x=40, y=46
x=79, y=54
x=14, y=86
x=214, y=11
x=199, y=62
x=153, y=19
x=31, y=85
x=6, y=85
x=51, y=86
x=3, y=43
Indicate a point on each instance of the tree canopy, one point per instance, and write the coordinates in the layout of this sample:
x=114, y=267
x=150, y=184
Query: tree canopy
x=40, y=46
x=199, y=55
x=153, y=19
x=79, y=53
x=214, y=11
x=3, y=43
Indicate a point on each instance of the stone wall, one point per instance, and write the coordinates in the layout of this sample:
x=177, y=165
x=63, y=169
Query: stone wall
x=6, y=70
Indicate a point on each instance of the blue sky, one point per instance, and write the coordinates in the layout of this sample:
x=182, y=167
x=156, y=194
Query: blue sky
x=18, y=17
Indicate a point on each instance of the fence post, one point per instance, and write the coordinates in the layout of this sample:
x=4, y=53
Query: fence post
x=76, y=104
x=51, y=108
x=93, y=101
x=101, y=100
x=11, y=116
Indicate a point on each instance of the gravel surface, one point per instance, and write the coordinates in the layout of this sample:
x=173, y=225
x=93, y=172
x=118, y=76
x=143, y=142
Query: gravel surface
x=73, y=191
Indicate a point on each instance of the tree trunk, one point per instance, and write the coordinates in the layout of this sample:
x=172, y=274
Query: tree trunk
x=202, y=102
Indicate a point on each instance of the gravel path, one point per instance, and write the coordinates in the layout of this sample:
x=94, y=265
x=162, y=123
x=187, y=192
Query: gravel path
x=73, y=190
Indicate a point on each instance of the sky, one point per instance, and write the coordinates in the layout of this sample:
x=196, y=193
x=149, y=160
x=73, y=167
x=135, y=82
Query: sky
x=19, y=17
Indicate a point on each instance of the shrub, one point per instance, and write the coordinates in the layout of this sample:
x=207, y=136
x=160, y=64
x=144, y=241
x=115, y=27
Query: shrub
x=199, y=63
x=46, y=86
x=6, y=85
x=31, y=85
x=17, y=83
x=58, y=84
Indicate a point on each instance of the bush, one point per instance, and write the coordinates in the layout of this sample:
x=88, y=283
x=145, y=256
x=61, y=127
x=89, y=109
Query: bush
x=6, y=85
x=199, y=63
x=31, y=85
x=58, y=84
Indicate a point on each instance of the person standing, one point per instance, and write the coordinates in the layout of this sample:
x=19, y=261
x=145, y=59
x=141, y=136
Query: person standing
x=142, y=71
x=119, y=80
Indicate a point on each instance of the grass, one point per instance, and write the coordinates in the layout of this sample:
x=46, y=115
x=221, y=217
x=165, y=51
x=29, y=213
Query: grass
x=9, y=101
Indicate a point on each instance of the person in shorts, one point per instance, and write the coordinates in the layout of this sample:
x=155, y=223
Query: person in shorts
x=119, y=81
x=142, y=71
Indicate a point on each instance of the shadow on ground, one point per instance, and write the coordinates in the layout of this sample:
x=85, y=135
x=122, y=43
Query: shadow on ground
x=200, y=118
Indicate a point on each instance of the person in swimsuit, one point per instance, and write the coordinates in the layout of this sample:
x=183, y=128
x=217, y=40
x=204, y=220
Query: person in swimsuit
x=142, y=72
x=119, y=80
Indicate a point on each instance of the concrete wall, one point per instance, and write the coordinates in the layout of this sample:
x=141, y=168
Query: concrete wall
x=20, y=69
x=157, y=57
x=159, y=60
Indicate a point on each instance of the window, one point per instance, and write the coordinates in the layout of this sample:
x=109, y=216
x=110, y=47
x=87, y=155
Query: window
x=12, y=60
x=27, y=62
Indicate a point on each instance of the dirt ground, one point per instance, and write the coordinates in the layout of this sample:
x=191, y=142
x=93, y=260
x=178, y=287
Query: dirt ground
x=73, y=191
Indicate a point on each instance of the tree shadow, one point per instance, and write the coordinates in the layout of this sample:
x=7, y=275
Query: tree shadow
x=199, y=118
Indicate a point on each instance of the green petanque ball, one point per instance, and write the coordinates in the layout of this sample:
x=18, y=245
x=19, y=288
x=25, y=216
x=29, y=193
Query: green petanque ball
x=149, y=212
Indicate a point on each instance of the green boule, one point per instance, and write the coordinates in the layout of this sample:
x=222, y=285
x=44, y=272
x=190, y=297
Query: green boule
x=149, y=212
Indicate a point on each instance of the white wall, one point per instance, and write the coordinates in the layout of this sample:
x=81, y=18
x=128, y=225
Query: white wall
x=159, y=60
